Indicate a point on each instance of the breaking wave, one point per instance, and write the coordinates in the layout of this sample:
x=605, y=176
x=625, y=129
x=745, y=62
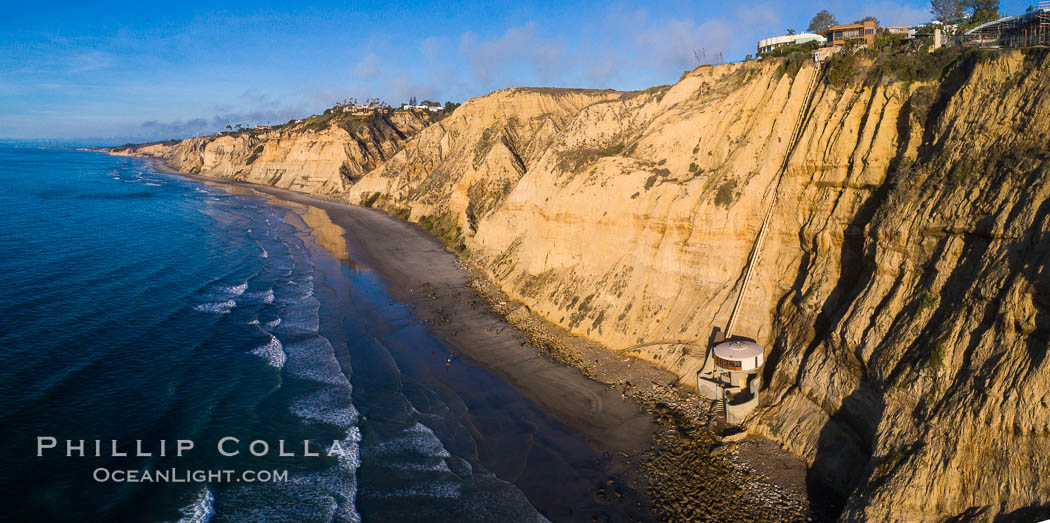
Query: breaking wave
x=260, y=296
x=272, y=352
x=201, y=510
x=218, y=307
x=233, y=290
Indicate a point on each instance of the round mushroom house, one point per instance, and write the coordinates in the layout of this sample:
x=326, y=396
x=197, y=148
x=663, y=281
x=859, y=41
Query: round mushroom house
x=739, y=356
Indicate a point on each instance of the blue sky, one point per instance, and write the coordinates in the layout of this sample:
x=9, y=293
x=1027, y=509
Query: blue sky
x=116, y=71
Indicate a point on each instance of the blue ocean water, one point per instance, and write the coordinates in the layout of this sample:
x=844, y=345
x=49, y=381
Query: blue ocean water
x=137, y=306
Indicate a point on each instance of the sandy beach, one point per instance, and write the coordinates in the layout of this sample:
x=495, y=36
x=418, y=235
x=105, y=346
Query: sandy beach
x=654, y=435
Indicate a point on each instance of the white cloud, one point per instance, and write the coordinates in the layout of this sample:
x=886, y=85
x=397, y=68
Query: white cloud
x=431, y=47
x=405, y=86
x=367, y=67
x=672, y=43
x=86, y=61
x=519, y=52
x=892, y=13
x=759, y=15
x=155, y=129
x=605, y=70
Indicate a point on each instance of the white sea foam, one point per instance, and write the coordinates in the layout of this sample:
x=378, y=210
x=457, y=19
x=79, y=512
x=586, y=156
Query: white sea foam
x=272, y=324
x=201, y=510
x=272, y=352
x=325, y=406
x=350, y=459
x=233, y=290
x=313, y=359
x=304, y=293
x=327, y=495
x=341, y=482
x=260, y=296
x=217, y=307
x=264, y=253
x=438, y=465
x=300, y=316
x=418, y=438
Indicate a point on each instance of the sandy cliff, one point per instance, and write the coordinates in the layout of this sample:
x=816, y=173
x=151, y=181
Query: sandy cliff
x=321, y=155
x=901, y=292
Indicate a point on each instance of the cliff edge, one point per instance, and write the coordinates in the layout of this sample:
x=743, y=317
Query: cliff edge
x=901, y=293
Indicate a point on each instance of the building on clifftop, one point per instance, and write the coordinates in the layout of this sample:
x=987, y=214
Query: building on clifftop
x=838, y=35
x=768, y=44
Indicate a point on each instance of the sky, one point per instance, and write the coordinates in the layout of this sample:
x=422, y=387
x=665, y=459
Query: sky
x=116, y=72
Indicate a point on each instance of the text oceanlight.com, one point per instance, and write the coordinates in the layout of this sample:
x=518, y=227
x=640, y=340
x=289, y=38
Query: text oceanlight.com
x=104, y=475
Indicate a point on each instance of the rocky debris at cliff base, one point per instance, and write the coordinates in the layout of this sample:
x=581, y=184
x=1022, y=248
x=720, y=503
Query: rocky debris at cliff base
x=691, y=475
x=689, y=482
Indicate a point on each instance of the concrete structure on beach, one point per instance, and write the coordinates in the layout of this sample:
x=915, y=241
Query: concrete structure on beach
x=731, y=378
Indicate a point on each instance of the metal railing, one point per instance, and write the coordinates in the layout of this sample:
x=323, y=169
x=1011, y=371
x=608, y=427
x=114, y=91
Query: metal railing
x=756, y=249
x=1029, y=29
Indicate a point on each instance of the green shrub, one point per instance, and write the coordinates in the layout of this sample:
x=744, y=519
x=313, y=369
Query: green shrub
x=443, y=226
x=887, y=42
x=927, y=302
x=575, y=159
x=937, y=354
x=369, y=199
x=255, y=154
x=797, y=55
x=725, y=194
x=840, y=68
x=890, y=461
x=905, y=65
x=790, y=49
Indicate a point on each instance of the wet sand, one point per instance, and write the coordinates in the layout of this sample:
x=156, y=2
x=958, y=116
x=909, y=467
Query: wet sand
x=419, y=271
x=655, y=439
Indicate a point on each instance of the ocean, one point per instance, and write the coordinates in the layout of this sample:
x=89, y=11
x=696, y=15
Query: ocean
x=142, y=311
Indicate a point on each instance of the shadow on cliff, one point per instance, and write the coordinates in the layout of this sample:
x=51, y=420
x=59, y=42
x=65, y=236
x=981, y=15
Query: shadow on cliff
x=846, y=443
x=1025, y=514
x=844, y=449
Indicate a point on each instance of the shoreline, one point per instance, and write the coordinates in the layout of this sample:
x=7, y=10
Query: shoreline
x=654, y=432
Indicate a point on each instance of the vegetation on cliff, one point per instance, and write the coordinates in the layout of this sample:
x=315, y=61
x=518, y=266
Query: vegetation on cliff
x=902, y=293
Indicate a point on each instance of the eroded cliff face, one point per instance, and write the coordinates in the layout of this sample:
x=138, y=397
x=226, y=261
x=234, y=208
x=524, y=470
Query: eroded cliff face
x=321, y=155
x=901, y=291
x=914, y=350
x=460, y=170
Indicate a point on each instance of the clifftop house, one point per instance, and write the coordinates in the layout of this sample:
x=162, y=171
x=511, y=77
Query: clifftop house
x=431, y=108
x=835, y=37
x=768, y=44
x=838, y=35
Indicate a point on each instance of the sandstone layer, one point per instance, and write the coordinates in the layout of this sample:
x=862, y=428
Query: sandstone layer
x=320, y=155
x=901, y=292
